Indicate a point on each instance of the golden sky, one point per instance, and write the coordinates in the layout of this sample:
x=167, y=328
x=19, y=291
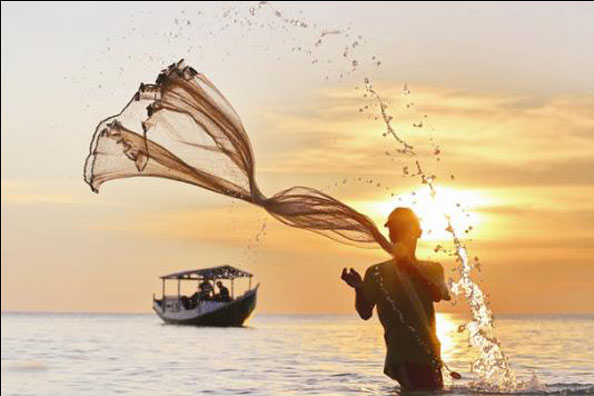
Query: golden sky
x=507, y=91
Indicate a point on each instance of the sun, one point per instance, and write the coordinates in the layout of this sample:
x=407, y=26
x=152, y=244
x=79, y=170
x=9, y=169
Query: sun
x=434, y=210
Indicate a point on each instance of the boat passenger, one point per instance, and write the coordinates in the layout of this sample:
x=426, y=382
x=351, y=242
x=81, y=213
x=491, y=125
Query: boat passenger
x=205, y=290
x=223, y=293
x=186, y=302
x=194, y=299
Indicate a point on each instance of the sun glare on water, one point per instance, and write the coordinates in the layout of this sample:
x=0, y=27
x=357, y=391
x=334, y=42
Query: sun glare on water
x=451, y=340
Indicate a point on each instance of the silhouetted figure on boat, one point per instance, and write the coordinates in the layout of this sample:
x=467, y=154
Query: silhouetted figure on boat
x=404, y=289
x=223, y=293
x=205, y=290
x=187, y=302
x=192, y=301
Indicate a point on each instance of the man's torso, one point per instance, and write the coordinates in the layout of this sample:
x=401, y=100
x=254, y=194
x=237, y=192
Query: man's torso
x=406, y=312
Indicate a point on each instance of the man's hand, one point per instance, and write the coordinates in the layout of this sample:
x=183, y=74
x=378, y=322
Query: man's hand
x=352, y=278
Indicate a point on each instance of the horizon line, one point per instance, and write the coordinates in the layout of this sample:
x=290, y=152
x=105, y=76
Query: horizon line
x=506, y=314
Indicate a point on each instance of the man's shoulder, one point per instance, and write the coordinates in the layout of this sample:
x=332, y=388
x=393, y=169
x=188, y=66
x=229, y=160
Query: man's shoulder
x=433, y=271
x=430, y=265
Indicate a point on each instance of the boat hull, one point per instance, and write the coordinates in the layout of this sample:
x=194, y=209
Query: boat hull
x=232, y=314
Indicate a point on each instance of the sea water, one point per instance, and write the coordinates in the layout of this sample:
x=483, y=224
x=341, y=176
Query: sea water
x=136, y=354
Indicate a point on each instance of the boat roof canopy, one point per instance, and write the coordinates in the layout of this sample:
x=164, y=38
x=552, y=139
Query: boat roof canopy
x=222, y=272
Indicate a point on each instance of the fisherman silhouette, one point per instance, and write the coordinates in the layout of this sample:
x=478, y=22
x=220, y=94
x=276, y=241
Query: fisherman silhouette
x=404, y=290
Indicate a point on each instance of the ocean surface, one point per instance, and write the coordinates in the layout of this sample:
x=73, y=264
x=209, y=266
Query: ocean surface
x=136, y=354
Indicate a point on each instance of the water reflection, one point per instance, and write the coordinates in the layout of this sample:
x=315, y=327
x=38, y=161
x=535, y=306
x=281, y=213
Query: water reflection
x=276, y=355
x=447, y=334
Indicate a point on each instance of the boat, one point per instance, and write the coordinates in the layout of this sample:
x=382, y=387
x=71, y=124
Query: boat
x=203, y=308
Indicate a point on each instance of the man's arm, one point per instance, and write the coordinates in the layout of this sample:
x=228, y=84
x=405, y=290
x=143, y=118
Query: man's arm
x=364, y=308
x=353, y=279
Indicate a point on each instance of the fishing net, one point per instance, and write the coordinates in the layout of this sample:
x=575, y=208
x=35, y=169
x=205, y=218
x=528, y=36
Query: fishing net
x=182, y=128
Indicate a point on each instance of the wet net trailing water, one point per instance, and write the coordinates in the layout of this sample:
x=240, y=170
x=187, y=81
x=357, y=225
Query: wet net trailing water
x=182, y=128
x=190, y=133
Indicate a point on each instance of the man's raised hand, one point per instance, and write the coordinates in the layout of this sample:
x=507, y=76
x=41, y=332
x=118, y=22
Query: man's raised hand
x=352, y=278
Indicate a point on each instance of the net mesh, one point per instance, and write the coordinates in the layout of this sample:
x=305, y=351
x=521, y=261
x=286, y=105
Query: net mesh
x=182, y=128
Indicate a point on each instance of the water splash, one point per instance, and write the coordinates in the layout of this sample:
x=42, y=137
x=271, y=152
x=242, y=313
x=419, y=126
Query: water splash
x=492, y=367
x=387, y=118
x=254, y=246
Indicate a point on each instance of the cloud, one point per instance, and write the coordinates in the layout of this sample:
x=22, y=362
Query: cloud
x=473, y=170
x=564, y=243
x=27, y=193
x=487, y=138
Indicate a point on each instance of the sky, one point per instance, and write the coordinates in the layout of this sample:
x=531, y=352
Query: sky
x=505, y=92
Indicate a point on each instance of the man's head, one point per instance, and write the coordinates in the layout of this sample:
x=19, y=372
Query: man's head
x=404, y=225
x=219, y=284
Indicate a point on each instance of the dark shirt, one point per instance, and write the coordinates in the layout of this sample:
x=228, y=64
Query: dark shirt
x=398, y=298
